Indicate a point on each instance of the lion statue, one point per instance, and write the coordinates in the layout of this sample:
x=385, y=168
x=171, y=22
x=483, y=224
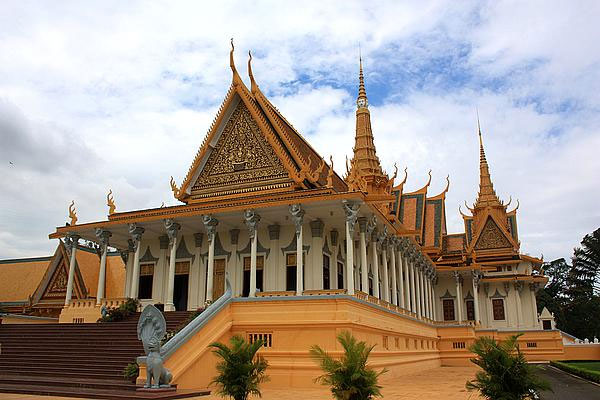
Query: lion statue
x=151, y=329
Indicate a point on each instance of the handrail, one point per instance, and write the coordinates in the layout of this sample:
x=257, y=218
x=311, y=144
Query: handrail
x=196, y=324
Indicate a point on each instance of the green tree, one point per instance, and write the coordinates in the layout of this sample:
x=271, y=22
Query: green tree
x=505, y=374
x=349, y=378
x=553, y=295
x=240, y=371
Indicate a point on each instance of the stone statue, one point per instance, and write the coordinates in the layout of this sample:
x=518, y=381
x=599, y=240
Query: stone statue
x=151, y=329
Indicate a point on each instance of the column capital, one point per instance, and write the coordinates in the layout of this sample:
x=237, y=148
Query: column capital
x=124, y=255
x=457, y=277
x=371, y=226
x=172, y=228
x=136, y=233
x=534, y=286
x=518, y=286
x=351, y=212
x=71, y=240
x=506, y=287
x=210, y=223
x=103, y=236
x=251, y=219
x=476, y=277
x=297, y=216
x=362, y=224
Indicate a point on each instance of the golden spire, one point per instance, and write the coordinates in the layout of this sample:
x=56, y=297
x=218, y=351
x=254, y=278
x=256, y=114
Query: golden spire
x=365, y=163
x=487, y=195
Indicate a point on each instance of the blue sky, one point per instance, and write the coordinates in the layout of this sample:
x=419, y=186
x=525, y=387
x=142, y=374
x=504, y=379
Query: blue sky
x=101, y=95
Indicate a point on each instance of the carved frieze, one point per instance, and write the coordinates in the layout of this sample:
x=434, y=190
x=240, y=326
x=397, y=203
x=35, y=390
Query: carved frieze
x=491, y=237
x=241, y=155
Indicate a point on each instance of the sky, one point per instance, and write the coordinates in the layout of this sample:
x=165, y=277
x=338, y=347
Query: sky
x=119, y=95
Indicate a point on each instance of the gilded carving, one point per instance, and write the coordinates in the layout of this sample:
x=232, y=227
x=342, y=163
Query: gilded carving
x=491, y=237
x=242, y=155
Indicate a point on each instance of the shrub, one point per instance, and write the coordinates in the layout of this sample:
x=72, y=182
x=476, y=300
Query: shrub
x=575, y=369
x=349, y=378
x=240, y=371
x=131, y=371
x=505, y=374
x=122, y=312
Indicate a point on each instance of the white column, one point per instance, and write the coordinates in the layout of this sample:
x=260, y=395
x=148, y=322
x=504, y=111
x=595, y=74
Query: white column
x=364, y=267
x=252, y=220
x=413, y=288
x=201, y=283
x=386, y=282
x=425, y=306
x=433, y=297
x=71, y=242
x=136, y=235
x=172, y=229
x=429, y=297
x=316, y=232
x=407, y=291
x=274, y=257
x=393, y=271
x=103, y=237
x=298, y=218
x=375, y=267
x=459, y=316
x=534, y=321
x=518, y=288
x=210, y=223
x=401, y=302
x=127, y=257
x=351, y=213
x=476, y=278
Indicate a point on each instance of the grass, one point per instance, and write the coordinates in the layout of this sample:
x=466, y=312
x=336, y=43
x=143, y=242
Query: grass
x=589, y=370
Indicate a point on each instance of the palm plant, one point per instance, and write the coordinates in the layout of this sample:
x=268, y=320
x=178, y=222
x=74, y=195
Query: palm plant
x=505, y=374
x=240, y=371
x=349, y=377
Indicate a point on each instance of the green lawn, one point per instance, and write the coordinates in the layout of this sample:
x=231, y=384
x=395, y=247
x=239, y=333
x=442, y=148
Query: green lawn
x=589, y=365
x=586, y=369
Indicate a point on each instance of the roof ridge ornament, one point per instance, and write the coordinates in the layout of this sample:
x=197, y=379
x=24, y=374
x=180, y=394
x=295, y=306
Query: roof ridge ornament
x=72, y=213
x=253, y=84
x=110, y=202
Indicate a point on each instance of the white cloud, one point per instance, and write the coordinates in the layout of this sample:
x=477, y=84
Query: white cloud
x=113, y=95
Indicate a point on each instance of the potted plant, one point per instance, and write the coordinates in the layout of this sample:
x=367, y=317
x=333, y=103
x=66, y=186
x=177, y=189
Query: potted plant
x=240, y=370
x=349, y=377
x=505, y=373
x=131, y=371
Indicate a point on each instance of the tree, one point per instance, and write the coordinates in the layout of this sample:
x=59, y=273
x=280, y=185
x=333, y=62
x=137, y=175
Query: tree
x=349, y=378
x=240, y=371
x=572, y=293
x=505, y=373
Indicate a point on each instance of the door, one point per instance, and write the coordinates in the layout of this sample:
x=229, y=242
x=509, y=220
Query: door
x=180, y=287
x=448, y=307
x=219, y=278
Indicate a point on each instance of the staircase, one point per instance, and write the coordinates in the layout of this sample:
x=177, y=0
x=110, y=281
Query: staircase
x=76, y=360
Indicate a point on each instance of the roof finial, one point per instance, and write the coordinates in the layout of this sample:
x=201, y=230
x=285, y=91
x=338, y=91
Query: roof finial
x=253, y=84
x=361, y=101
x=481, y=151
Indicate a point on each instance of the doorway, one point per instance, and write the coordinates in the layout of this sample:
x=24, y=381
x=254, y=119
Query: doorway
x=181, y=284
x=218, y=278
x=260, y=264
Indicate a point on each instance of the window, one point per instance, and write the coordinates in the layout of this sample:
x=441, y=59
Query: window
x=326, y=282
x=448, y=305
x=290, y=275
x=260, y=265
x=470, y=310
x=340, y=273
x=547, y=325
x=371, y=285
x=146, y=280
x=498, y=308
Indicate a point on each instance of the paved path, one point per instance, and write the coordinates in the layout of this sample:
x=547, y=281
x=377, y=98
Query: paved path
x=566, y=386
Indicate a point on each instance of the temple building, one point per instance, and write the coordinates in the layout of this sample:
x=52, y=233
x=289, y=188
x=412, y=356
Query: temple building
x=274, y=243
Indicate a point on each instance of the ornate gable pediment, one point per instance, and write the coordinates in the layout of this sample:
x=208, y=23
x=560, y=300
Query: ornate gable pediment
x=241, y=160
x=491, y=237
x=53, y=285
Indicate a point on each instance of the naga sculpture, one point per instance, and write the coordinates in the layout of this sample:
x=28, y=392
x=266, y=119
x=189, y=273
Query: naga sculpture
x=151, y=329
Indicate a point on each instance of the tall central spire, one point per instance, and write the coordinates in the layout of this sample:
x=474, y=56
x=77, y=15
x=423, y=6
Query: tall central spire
x=365, y=172
x=487, y=195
